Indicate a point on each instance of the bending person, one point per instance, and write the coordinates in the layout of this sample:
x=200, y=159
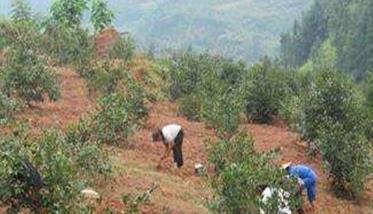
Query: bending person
x=172, y=137
x=307, y=179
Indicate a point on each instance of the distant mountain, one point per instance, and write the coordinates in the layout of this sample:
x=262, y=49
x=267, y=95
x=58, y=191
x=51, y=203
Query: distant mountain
x=246, y=29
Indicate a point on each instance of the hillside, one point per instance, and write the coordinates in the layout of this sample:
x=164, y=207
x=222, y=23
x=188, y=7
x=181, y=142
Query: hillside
x=179, y=191
x=246, y=29
x=90, y=124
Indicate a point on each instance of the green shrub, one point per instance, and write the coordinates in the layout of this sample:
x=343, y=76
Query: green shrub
x=7, y=107
x=66, y=164
x=68, y=12
x=115, y=120
x=105, y=77
x=291, y=110
x=222, y=111
x=190, y=107
x=347, y=156
x=135, y=96
x=20, y=190
x=334, y=117
x=123, y=49
x=265, y=88
x=227, y=152
x=186, y=72
x=88, y=153
x=240, y=173
x=25, y=71
x=208, y=87
x=68, y=45
x=330, y=98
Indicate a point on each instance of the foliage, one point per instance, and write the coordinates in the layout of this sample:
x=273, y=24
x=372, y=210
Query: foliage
x=333, y=116
x=123, y=49
x=347, y=156
x=266, y=87
x=25, y=71
x=7, y=106
x=46, y=174
x=208, y=87
x=88, y=153
x=67, y=45
x=190, y=107
x=21, y=11
x=116, y=118
x=328, y=32
x=101, y=16
x=241, y=172
x=221, y=110
x=68, y=12
x=106, y=76
x=330, y=98
x=186, y=72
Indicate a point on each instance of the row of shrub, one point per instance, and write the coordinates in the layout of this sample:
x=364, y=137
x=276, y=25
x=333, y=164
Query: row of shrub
x=206, y=87
x=67, y=162
x=31, y=47
x=325, y=106
x=332, y=116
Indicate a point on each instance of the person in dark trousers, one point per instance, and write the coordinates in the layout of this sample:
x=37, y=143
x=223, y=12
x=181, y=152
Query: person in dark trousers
x=307, y=179
x=172, y=136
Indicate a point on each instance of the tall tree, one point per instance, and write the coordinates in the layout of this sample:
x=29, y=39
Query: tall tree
x=68, y=12
x=101, y=15
x=21, y=10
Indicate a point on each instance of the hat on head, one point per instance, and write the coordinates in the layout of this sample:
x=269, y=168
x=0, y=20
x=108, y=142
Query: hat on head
x=286, y=165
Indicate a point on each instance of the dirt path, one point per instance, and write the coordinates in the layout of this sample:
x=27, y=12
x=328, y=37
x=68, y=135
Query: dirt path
x=73, y=104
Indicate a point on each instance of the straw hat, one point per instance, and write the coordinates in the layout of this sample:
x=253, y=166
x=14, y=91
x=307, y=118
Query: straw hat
x=286, y=165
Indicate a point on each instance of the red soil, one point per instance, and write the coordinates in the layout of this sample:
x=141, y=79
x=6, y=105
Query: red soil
x=73, y=104
x=180, y=191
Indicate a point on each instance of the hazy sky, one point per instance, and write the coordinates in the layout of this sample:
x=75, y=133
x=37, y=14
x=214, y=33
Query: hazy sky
x=37, y=6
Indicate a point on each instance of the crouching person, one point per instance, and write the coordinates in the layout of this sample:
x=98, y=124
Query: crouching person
x=172, y=137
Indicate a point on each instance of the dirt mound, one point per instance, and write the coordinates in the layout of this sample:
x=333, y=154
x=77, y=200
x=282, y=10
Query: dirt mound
x=105, y=40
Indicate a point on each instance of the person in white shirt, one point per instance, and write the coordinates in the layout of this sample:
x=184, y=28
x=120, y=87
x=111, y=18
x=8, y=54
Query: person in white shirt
x=172, y=137
x=282, y=199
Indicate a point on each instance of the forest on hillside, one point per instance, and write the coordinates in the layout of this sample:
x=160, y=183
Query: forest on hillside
x=79, y=108
x=333, y=33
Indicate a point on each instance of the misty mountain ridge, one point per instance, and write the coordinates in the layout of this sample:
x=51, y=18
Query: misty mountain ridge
x=244, y=29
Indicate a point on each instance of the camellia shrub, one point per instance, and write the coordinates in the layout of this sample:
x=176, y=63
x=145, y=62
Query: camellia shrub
x=347, y=158
x=116, y=118
x=105, y=76
x=46, y=174
x=26, y=72
x=265, y=88
x=7, y=107
x=334, y=118
x=241, y=174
